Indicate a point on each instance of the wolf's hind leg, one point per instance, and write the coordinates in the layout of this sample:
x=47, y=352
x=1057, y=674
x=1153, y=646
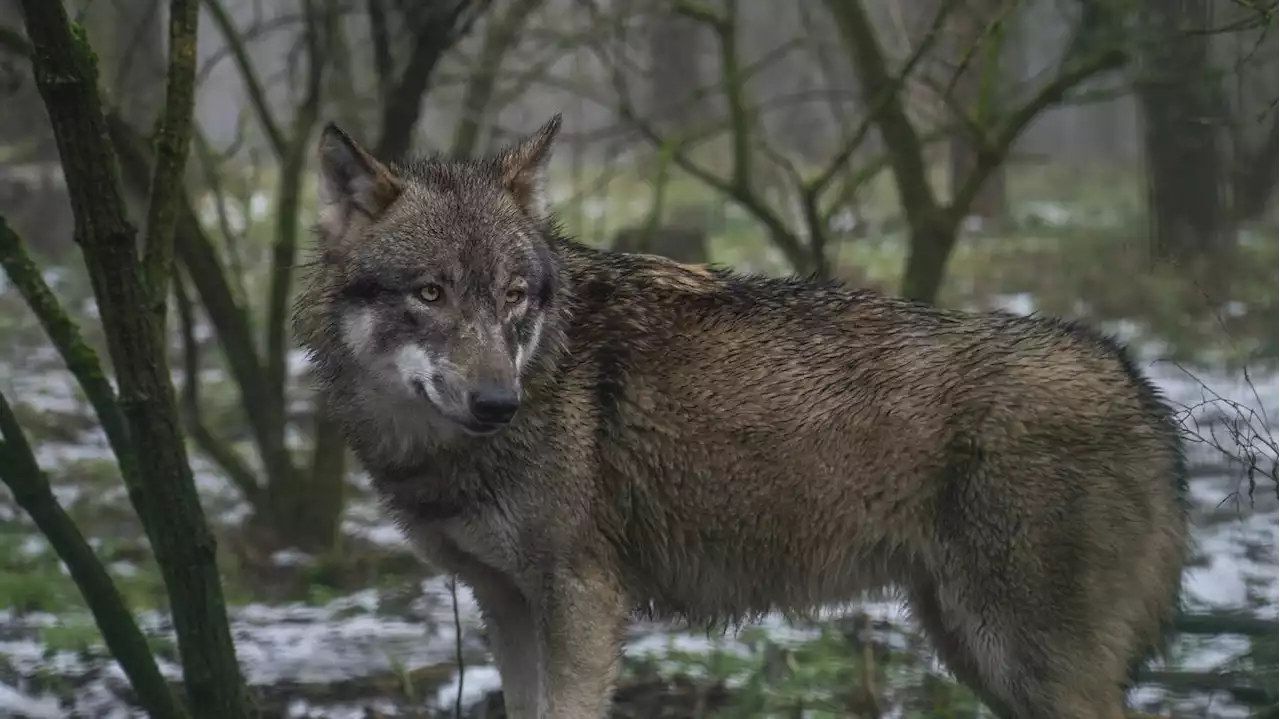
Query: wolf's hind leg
x=995, y=669
x=1029, y=591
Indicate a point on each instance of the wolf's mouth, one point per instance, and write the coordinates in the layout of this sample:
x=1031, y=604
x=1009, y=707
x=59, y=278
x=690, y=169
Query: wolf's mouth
x=480, y=429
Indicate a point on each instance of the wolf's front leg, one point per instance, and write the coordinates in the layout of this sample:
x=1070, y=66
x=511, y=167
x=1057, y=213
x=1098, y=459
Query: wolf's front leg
x=513, y=637
x=581, y=617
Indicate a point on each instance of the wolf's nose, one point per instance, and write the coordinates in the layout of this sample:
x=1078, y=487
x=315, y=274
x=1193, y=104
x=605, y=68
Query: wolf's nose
x=494, y=405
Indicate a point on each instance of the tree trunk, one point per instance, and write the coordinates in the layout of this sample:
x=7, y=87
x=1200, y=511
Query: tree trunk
x=131, y=306
x=1254, y=184
x=1183, y=125
x=975, y=65
x=300, y=503
x=989, y=203
x=927, y=259
x=438, y=26
x=30, y=487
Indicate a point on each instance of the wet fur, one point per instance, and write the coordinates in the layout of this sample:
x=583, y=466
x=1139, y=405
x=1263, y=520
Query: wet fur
x=706, y=446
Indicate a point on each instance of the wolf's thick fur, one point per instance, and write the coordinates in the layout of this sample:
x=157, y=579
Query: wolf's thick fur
x=702, y=445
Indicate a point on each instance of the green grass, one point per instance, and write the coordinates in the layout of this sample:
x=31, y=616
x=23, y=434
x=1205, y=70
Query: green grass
x=833, y=674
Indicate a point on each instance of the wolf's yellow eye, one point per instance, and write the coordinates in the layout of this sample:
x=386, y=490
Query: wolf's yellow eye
x=430, y=293
x=515, y=296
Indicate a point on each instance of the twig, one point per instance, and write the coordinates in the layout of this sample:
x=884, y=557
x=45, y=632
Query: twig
x=172, y=141
x=253, y=85
x=457, y=647
x=1248, y=442
x=223, y=454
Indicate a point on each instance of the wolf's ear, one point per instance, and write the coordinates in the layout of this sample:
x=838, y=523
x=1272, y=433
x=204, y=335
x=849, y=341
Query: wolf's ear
x=524, y=168
x=351, y=181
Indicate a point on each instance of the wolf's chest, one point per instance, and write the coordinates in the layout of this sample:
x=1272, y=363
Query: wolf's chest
x=458, y=505
x=490, y=536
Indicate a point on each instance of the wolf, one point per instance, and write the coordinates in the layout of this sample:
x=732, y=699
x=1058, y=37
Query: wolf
x=581, y=436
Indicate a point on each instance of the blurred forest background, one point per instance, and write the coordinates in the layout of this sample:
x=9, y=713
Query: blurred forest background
x=1110, y=160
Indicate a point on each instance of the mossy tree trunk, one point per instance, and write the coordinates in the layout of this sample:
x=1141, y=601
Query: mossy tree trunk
x=131, y=288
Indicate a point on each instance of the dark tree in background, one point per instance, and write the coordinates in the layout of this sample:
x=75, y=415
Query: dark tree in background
x=1184, y=128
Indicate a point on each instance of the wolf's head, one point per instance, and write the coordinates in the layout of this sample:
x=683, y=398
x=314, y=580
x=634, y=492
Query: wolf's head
x=436, y=278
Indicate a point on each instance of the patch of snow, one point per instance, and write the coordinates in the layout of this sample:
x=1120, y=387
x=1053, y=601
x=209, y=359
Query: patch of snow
x=292, y=558
x=13, y=703
x=476, y=683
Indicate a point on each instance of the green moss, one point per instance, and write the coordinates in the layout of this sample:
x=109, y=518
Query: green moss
x=37, y=588
x=76, y=633
x=81, y=36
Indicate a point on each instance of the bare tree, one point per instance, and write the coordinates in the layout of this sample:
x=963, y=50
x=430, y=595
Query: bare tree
x=933, y=226
x=804, y=244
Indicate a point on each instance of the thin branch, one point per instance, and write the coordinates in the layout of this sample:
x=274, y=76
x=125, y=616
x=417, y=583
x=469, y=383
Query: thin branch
x=172, y=140
x=232, y=239
x=502, y=34
x=284, y=249
x=440, y=25
x=255, y=32
x=726, y=30
x=137, y=41
x=993, y=150
x=870, y=168
x=879, y=102
x=696, y=10
x=738, y=189
x=222, y=453
x=249, y=75
x=30, y=486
